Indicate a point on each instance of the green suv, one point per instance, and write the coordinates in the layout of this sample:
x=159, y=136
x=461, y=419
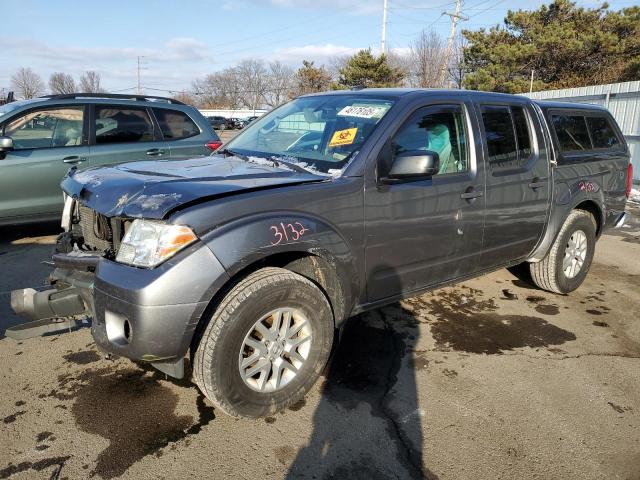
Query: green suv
x=41, y=139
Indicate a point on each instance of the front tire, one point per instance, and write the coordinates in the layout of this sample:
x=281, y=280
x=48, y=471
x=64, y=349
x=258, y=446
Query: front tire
x=567, y=263
x=265, y=344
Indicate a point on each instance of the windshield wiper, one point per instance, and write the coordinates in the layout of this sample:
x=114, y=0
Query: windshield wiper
x=292, y=165
x=273, y=159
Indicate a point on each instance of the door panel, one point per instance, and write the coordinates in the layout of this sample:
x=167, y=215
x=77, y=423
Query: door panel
x=518, y=183
x=30, y=180
x=47, y=141
x=425, y=232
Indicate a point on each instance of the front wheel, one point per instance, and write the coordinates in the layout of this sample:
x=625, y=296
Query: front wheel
x=567, y=263
x=265, y=345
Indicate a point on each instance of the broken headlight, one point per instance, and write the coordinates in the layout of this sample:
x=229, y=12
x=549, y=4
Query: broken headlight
x=148, y=243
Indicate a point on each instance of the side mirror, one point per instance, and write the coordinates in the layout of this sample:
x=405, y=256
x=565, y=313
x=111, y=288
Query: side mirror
x=415, y=164
x=6, y=145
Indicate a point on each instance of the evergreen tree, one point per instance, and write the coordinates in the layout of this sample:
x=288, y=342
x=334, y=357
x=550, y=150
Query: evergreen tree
x=367, y=71
x=311, y=79
x=564, y=45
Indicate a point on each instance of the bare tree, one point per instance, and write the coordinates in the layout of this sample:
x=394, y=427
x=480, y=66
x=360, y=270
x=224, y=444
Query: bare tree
x=335, y=64
x=61, y=83
x=427, y=55
x=90, y=82
x=27, y=83
x=457, y=68
x=185, y=97
x=280, y=82
x=219, y=90
x=253, y=75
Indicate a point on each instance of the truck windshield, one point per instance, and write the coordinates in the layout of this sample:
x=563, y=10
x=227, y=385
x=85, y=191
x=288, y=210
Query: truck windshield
x=320, y=133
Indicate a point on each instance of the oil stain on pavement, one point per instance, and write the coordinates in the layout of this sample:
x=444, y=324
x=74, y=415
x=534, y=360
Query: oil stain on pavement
x=132, y=409
x=466, y=322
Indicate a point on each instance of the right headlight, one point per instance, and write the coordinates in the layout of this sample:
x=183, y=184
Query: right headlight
x=148, y=243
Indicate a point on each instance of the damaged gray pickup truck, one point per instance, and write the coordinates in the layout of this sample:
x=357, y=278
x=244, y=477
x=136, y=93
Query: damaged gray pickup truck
x=248, y=261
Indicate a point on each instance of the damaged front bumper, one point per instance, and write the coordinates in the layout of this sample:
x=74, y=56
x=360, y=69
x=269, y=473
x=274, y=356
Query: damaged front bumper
x=143, y=314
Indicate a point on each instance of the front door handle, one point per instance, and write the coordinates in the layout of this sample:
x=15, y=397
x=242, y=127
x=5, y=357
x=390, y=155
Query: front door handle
x=470, y=194
x=537, y=183
x=73, y=159
x=154, y=152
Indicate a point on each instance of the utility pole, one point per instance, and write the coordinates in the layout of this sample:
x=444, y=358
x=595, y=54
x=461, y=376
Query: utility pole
x=455, y=17
x=383, y=42
x=138, y=89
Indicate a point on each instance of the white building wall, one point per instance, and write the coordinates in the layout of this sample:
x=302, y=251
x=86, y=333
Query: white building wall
x=228, y=113
x=622, y=100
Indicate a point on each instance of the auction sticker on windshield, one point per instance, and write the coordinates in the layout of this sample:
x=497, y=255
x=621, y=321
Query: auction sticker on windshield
x=343, y=137
x=364, y=111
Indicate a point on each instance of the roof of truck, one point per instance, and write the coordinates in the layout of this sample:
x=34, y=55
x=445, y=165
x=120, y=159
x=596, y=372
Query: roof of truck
x=399, y=92
x=546, y=104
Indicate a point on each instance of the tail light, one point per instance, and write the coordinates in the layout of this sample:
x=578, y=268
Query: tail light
x=627, y=191
x=213, y=146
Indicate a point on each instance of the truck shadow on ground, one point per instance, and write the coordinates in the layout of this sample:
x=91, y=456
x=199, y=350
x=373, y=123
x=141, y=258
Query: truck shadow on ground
x=369, y=420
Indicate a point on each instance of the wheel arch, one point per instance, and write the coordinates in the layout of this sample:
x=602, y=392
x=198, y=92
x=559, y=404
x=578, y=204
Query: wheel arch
x=559, y=214
x=318, y=267
x=594, y=209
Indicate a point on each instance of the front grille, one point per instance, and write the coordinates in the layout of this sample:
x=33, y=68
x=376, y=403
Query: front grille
x=97, y=231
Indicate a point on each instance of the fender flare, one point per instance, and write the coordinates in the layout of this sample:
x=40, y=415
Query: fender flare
x=253, y=240
x=566, y=199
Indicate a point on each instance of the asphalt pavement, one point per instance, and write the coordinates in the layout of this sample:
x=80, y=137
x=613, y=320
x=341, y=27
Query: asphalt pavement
x=487, y=379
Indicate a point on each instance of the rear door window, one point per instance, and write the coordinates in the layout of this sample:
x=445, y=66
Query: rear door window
x=571, y=131
x=602, y=133
x=507, y=135
x=175, y=124
x=115, y=124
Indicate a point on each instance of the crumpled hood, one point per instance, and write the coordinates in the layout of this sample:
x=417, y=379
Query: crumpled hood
x=150, y=189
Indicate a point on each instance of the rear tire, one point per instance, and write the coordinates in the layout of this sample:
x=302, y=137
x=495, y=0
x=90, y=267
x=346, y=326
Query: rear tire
x=275, y=322
x=567, y=263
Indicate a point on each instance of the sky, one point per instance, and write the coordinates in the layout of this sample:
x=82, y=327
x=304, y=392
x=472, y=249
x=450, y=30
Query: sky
x=182, y=41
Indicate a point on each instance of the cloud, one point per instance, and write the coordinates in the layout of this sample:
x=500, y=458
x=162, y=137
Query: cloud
x=362, y=7
x=175, y=49
x=318, y=53
x=174, y=65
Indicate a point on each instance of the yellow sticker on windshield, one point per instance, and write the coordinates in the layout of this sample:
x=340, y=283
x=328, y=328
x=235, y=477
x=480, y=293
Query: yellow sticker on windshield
x=343, y=137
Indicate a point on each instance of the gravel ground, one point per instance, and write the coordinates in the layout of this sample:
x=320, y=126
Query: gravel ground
x=490, y=379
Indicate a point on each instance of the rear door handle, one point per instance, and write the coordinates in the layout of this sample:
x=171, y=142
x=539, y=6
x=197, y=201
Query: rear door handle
x=537, y=183
x=73, y=159
x=154, y=152
x=470, y=194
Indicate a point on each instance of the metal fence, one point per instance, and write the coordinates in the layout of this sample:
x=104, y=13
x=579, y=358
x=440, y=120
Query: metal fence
x=622, y=100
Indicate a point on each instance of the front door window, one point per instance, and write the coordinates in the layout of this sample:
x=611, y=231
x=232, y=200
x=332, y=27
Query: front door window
x=57, y=127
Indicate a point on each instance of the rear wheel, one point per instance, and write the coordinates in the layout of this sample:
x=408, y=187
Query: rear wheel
x=265, y=344
x=567, y=263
